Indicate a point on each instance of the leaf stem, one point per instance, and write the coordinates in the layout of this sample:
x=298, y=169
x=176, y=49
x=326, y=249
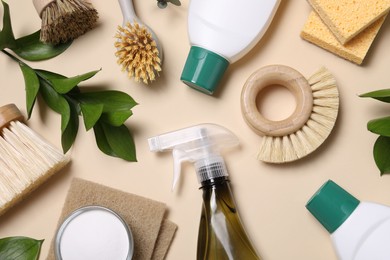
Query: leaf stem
x=24, y=64
x=13, y=57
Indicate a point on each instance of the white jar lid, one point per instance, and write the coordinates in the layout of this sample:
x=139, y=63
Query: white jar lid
x=94, y=232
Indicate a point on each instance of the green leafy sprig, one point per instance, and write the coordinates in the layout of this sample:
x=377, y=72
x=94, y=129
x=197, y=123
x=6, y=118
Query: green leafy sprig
x=381, y=127
x=104, y=111
x=23, y=248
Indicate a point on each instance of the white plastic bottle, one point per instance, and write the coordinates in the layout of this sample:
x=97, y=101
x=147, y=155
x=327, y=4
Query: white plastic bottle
x=359, y=230
x=220, y=33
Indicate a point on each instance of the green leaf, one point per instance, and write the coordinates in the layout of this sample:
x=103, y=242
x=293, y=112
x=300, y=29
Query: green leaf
x=69, y=134
x=115, y=141
x=116, y=118
x=20, y=248
x=91, y=114
x=56, y=102
x=382, y=154
x=64, y=85
x=31, y=48
x=31, y=82
x=7, y=38
x=112, y=100
x=48, y=75
x=101, y=140
x=380, y=126
x=381, y=95
x=175, y=2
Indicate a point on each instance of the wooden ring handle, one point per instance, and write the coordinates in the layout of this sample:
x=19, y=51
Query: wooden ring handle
x=284, y=76
x=9, y=113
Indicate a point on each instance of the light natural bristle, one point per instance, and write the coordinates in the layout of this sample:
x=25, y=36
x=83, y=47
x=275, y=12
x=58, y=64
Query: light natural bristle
x=26, y=161
x=275, y=149
x=137, y=52
x=65, y=20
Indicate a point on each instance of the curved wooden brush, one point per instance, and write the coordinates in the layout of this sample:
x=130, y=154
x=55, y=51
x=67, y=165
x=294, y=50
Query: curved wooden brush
x=138, y=49
x=65, y=20
x=310, y=124
x=26, y=159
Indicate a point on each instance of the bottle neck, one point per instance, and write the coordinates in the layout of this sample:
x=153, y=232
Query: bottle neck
x=210, y=168
x=212, y=182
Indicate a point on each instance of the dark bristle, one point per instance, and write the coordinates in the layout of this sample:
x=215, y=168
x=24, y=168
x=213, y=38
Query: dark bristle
x=65, y=20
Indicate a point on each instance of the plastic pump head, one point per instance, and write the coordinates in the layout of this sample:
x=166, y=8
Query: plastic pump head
x=201, y=145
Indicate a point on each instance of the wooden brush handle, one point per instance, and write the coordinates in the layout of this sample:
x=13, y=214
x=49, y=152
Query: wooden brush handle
x=283, y=76
x=41, y=4
x=9, y=113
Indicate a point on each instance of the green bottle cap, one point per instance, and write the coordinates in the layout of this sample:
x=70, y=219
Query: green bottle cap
x=203, y=69
x=331, y=205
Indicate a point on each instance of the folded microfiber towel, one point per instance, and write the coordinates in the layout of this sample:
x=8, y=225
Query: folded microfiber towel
x=152, y=233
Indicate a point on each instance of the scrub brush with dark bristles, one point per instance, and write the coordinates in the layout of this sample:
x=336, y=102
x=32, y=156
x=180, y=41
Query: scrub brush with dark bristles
x=138, y=49
x=65, y=20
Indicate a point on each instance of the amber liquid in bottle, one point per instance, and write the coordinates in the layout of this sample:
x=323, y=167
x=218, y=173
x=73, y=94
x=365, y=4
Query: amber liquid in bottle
x=221, y=233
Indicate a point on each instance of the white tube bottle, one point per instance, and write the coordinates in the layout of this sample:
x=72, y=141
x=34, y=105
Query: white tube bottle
x=221, y=32
x=359, y=230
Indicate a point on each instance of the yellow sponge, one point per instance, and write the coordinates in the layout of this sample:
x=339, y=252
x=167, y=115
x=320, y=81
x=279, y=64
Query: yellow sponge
x=315, y=31
x=346, y=18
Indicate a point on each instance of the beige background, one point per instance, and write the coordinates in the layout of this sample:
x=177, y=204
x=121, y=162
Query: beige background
x=271, y=198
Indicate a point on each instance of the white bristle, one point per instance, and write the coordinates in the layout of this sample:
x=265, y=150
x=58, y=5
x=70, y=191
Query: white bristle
x=305, y=142
x=327, y=102
x=277, y=151
x=326, y=121
x=326, y=93
x=327, y=83
x=26, y=160
x=288, y=149
x=326, y=112
x=313, y=138
x=321, y=75
x=298, y=145
x=264, y=153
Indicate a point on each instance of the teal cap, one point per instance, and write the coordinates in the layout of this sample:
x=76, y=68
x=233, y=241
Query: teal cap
x=331, y=205
x=203, y=70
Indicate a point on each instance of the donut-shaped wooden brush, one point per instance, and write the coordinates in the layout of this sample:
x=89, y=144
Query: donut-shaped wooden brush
x=309, y=125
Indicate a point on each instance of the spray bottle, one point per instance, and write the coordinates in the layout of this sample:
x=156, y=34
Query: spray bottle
x=221, y=233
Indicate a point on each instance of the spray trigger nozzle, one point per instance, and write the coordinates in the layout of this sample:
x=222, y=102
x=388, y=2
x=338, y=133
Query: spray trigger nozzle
x=200, y=144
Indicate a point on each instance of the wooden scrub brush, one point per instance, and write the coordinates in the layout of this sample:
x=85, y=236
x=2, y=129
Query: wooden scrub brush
x=65, y=20
x=26, y=159
x=138, y=49
x=310, y=124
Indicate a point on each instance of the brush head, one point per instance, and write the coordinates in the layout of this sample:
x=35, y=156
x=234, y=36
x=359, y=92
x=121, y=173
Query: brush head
x=137, y=52
x=65, y=20
x=27, y=159
x=304, y=131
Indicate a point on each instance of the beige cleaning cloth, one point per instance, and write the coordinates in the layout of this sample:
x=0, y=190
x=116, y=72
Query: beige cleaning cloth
x=152, y=233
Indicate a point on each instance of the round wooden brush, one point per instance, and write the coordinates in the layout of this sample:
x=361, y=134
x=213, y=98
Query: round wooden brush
x=310, y=124
x=65, y=20
x=138, y=49
x=26, y=159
